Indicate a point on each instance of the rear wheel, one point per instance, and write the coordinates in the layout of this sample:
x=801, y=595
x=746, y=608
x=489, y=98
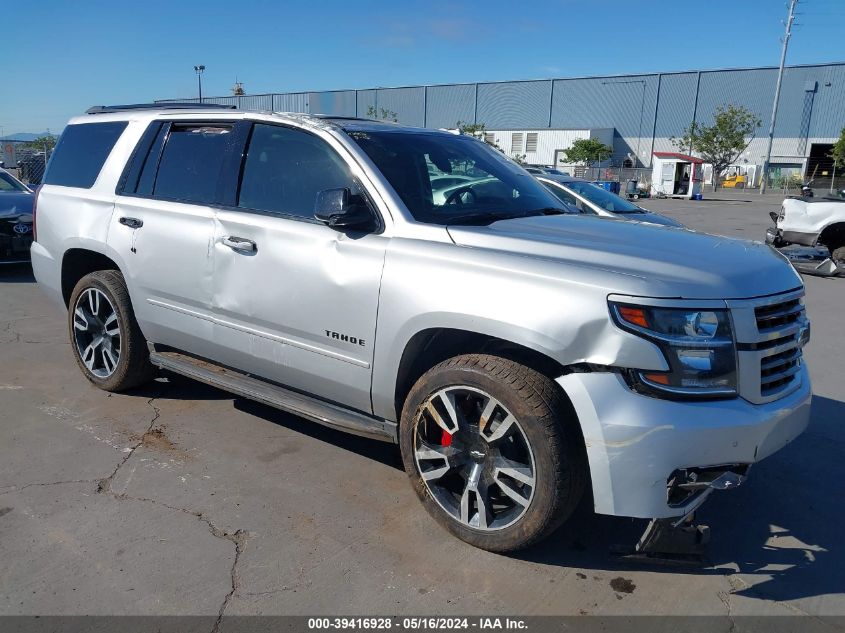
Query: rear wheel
x=493, y=451
x=105, y=338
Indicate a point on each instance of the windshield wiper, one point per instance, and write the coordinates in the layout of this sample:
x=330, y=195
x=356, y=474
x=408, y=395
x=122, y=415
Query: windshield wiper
x=550, y=211
x=488, y=217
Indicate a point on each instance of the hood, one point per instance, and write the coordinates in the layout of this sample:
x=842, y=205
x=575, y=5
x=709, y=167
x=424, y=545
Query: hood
x=670, y=262
x=14, y=204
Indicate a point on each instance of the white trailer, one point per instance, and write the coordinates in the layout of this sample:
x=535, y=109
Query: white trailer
x=676, y=175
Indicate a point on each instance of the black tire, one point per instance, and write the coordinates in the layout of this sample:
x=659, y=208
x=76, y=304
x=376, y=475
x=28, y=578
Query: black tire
x=133, y=367
x=549, y=425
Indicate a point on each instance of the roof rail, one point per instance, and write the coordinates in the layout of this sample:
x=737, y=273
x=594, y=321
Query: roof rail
x=339, y=117
x=158, y=106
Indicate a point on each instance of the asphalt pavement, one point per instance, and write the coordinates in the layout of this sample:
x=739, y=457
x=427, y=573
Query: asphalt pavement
x=181, y=499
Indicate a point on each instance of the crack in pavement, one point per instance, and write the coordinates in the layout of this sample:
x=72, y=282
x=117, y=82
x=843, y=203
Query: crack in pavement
x=7, y=329
x=238, y=537
x=725, y=597
x=49, y=483
x=104, y=484
x=737, y=583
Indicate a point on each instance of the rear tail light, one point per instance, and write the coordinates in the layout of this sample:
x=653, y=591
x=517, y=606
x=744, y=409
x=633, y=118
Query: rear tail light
x=34, y=208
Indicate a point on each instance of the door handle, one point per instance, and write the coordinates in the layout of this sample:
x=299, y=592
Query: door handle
x=240, y=244
x=132, y=223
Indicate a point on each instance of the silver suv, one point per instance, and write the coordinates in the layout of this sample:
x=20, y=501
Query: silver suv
x=520, y=355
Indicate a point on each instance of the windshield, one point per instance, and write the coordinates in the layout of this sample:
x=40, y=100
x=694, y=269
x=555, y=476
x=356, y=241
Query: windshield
x=449, y=178
x=7, y=183
x=602, y=197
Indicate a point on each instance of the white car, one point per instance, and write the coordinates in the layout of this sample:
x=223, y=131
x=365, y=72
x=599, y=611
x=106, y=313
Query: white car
x=811, y=222
x=591, y=199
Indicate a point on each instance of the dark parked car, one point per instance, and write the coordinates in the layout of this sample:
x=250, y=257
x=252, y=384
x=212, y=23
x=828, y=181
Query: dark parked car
x=16, y=201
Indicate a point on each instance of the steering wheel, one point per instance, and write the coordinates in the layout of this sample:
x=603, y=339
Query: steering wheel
x=455, y=196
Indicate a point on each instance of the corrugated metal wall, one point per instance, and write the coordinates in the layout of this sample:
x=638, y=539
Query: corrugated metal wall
x=448, y=105
x=522, y=104
x=338, y=102
x=647, y=108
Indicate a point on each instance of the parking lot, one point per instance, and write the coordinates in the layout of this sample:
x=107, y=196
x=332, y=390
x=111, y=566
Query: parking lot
x=180, y=499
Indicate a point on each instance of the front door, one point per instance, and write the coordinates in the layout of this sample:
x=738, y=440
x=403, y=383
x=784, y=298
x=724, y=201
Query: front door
x=295, y=301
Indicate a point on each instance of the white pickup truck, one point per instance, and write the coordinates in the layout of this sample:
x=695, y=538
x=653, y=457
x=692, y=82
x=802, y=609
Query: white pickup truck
x=811, y=222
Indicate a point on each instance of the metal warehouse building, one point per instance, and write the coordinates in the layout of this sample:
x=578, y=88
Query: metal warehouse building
x=636, y=114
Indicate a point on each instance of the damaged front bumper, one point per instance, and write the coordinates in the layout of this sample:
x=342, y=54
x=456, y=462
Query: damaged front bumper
x=774, y=237
x=655, y=458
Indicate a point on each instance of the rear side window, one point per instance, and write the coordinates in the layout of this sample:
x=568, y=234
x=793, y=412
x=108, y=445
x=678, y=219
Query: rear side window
x=81, y=152
x=190, y=165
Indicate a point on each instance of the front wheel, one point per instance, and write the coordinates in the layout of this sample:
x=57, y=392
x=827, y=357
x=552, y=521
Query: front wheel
x=105, y=338
x=493, y=450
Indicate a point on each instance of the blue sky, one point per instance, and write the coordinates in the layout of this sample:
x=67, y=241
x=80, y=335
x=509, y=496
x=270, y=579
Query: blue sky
x=60, y=57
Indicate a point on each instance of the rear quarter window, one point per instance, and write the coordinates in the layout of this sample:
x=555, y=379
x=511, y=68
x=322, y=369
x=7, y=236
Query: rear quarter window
x=81, y=152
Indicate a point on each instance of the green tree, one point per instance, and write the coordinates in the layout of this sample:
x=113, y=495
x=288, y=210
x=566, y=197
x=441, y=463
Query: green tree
x=838, y=151
x=472, y=129
x=587, y=152
x=479, y=131
x=48, y=142
x=382, y=113
x=722, y=143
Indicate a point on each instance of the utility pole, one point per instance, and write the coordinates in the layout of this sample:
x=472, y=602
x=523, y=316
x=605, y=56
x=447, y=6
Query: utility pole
x=786, y=36
x=642, y=109
x=199, y=70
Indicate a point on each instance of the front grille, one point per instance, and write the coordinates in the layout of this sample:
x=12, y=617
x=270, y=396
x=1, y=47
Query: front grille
x=775, y=316
x=780, y=361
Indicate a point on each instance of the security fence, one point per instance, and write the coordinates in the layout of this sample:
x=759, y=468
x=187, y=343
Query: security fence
x=26, y=160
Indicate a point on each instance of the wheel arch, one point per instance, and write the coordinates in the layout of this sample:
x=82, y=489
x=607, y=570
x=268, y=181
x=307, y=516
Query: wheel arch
x=428, y=347
x=78, y=262
x=833, y=235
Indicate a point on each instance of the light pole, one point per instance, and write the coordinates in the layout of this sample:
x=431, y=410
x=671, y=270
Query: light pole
x=789, y=20
x=199, y=70
x=642, y=109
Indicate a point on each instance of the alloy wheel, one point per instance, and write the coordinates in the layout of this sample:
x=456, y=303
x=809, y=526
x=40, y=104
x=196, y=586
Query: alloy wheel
x=96, y=331
x=474, y=458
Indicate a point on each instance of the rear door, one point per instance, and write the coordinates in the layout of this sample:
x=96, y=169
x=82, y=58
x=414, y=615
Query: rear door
x=163, y=226
x=295, y=301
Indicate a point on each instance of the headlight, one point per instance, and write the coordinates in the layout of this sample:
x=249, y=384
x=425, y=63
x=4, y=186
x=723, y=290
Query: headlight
x=698, y=346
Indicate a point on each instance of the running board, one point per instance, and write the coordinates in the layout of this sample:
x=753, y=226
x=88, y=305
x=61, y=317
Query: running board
x=331, y=415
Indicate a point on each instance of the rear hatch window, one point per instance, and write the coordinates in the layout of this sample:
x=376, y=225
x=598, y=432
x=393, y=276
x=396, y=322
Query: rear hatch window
x=81, y=152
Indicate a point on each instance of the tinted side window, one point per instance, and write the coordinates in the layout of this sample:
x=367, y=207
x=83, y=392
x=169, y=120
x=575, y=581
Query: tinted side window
x=190, y=165
x=81, y=152
x=285, y=169
x=147, y=177
x=129, y=181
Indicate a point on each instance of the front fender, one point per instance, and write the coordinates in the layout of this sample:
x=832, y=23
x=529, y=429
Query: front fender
x=536, y=308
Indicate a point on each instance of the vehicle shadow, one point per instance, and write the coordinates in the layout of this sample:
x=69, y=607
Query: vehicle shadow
x=781, y=530
x=383, y=452
x=16, y=274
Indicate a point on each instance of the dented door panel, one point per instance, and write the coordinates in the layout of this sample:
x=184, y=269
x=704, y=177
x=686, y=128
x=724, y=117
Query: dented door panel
x=301, y=308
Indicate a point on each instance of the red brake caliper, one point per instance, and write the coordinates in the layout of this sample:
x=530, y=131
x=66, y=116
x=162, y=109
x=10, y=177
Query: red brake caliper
x=445, y=438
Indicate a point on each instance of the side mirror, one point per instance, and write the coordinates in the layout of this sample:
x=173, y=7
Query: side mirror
x=341, y=209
